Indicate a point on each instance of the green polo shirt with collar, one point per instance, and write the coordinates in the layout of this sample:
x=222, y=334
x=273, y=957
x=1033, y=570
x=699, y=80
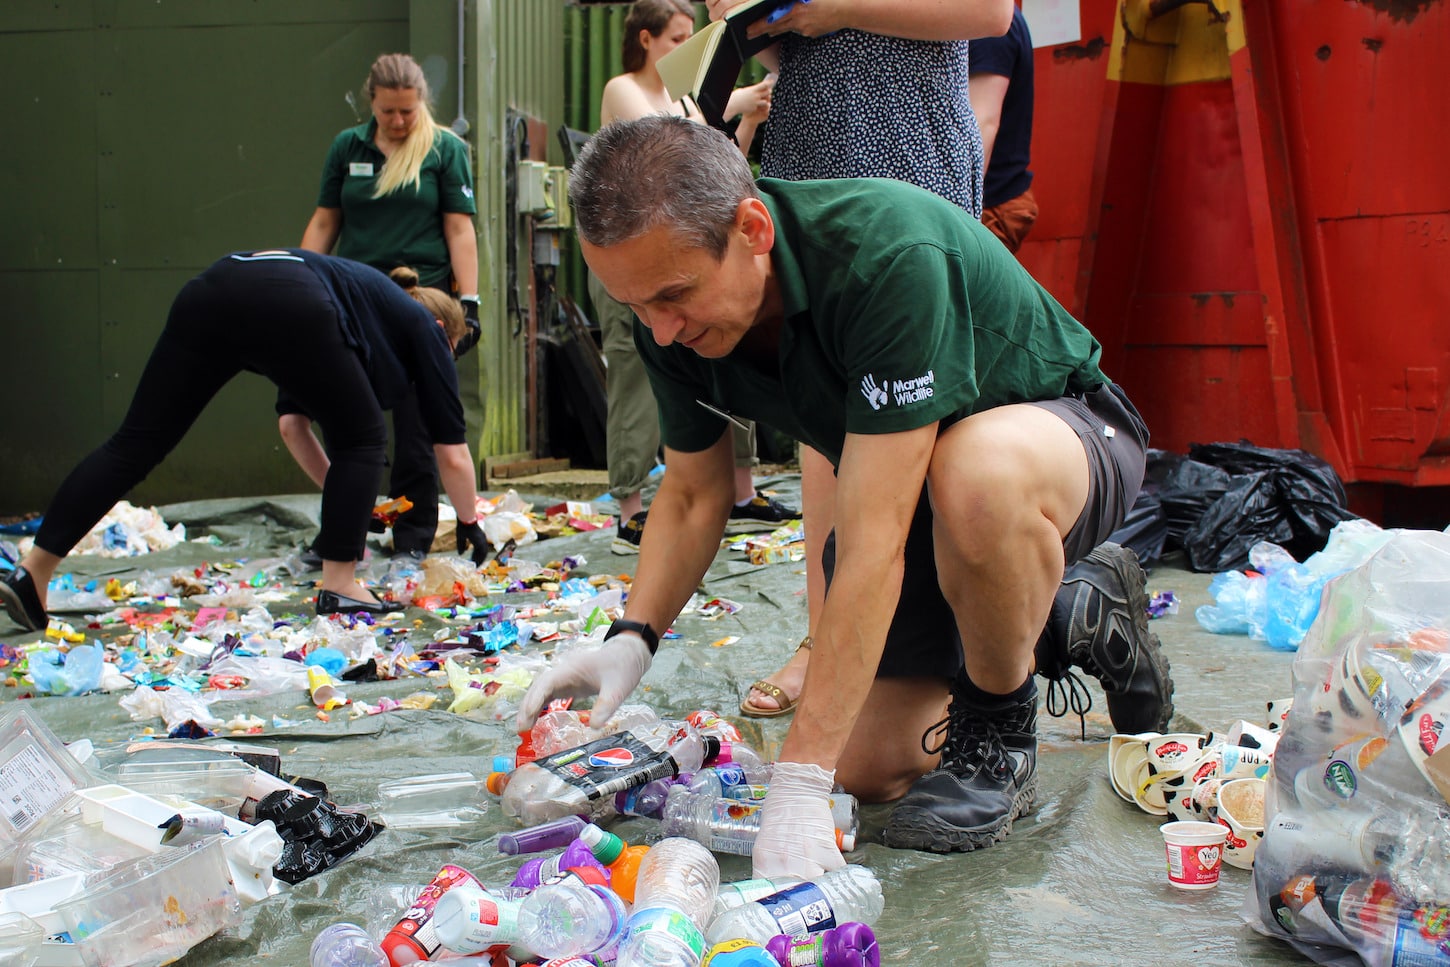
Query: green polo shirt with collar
x=406, y=226
x=900, y=310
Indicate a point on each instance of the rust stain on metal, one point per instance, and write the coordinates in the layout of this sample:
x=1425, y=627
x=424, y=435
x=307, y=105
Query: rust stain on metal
x=1091, y=50
x=1406, y=10
x=1373, y=44
x=1323, y=52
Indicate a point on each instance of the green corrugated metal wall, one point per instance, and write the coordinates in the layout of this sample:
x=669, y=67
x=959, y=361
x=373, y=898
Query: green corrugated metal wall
x=148, y=137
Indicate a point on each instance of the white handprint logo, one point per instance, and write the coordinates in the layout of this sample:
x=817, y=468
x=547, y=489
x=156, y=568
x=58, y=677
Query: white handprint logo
x=875, y=395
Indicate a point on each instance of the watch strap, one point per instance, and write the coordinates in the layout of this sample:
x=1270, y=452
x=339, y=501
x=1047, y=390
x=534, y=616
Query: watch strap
x=650, y=636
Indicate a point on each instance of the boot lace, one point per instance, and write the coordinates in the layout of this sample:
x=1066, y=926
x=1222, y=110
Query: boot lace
x=1069, y=693
x=966, y=738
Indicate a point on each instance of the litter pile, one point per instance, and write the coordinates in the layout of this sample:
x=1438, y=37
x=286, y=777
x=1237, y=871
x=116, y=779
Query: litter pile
x=1356, y=854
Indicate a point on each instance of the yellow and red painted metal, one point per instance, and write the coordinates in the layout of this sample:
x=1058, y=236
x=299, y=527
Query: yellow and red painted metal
x=1249, y=204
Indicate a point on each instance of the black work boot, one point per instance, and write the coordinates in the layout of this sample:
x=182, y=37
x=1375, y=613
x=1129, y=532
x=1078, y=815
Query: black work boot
x=987, y=777
x=1099, y=622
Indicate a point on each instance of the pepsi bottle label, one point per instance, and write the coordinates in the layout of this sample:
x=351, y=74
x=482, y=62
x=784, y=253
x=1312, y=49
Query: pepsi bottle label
x=610, y=765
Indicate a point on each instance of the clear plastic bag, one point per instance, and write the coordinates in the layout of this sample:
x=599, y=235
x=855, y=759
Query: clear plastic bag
x=1356, y=850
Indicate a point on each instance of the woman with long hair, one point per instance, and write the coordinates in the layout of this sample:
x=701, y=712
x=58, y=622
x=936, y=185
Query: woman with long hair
x=398, y=190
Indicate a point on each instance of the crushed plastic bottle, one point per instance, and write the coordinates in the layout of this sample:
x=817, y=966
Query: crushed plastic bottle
x=584, y=780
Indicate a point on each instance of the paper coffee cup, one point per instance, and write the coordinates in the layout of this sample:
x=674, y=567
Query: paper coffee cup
x=1195, y=854
x=325, y=694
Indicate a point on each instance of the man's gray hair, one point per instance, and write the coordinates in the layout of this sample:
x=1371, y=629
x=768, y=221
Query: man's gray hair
x=659, y=170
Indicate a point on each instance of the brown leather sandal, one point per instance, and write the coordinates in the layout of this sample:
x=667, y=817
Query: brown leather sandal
x=785, y=705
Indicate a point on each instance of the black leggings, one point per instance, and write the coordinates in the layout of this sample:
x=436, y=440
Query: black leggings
x=268, y=316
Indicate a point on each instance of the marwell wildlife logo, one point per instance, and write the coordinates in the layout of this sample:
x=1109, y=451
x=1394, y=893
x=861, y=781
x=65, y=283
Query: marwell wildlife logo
x=903, y=391
x=616, y=758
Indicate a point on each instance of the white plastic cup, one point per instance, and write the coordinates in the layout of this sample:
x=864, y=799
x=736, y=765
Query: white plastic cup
x=1126, y=754
x=1277, y=713
x=1241, y=810
x=1195, y=854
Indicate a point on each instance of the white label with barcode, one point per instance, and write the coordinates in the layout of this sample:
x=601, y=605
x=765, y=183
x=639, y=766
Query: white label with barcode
x=30, y=784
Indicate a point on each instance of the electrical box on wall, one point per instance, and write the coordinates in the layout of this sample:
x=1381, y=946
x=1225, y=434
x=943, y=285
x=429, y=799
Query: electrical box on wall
x=533, y=196
x=556, y=186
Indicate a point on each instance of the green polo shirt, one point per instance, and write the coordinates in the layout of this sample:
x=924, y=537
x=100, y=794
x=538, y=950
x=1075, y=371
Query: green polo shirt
x=405, y=227
x=900, y=310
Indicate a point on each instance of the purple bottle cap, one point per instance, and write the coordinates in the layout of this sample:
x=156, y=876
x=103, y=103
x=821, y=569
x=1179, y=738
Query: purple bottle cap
x=851, y=945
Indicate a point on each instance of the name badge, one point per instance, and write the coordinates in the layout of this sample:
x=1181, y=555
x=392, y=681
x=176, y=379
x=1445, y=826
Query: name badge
x=361, y=168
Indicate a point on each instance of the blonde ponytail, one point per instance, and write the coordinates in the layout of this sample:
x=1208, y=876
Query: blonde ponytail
x=406, y=163
x=401, y=72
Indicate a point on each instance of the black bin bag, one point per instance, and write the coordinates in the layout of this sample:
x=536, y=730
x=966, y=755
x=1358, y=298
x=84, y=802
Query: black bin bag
x=1288, y=497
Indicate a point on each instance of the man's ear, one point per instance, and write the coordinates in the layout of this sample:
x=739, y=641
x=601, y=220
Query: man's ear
x=753, y=221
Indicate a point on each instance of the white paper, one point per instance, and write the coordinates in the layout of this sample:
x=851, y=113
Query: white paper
x=1053, y=21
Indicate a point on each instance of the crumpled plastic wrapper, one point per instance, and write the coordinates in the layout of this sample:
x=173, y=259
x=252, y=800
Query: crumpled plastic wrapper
x=174, y=706
x=495, y=692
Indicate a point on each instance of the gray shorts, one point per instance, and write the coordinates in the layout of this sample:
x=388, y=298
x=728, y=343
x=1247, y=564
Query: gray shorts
x=923, y=637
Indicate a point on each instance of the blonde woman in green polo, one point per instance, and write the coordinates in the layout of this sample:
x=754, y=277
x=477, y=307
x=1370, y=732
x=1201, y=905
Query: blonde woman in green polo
x=398, y=190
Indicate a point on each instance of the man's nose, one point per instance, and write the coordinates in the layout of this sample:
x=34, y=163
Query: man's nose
x=664, y=326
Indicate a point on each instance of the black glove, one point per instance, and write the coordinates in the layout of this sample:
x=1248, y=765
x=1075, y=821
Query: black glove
x=472, y=534
x=474, y=330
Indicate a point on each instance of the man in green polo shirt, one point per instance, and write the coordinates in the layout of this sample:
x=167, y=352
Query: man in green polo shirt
x=978, y=449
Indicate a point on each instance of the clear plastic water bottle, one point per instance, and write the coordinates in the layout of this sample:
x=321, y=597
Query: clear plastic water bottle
x=568, y=919
x=741, y=892
x=851, y=893
x=346, y=945
x=585, y=779
x=724, y=825
x=565, y=917
x=673, y=900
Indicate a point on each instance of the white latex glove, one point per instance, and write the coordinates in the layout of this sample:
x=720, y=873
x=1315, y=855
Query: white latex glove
x=610, y=671
x=797, y=835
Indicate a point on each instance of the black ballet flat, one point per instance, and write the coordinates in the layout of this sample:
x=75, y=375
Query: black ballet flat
x=330, y=602
x=22, y=603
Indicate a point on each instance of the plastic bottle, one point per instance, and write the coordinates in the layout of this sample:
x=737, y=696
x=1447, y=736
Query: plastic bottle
x=621, y=859
x=849, y=945
x=412, y=938
x=556, y=731
x=544, y=868
x=740, y=754
x=647, y=800
x=567, y=919
x=738, y=953
x=724, y=825
x=562, y=919
x=673, y=899
x=346, y=945
x=583, y=780
x=722, y=779
x=545, y=836
x=850, y=893
x=741, y=892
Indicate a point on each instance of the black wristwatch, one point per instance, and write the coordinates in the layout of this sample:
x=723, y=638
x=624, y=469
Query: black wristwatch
x=651, y=639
